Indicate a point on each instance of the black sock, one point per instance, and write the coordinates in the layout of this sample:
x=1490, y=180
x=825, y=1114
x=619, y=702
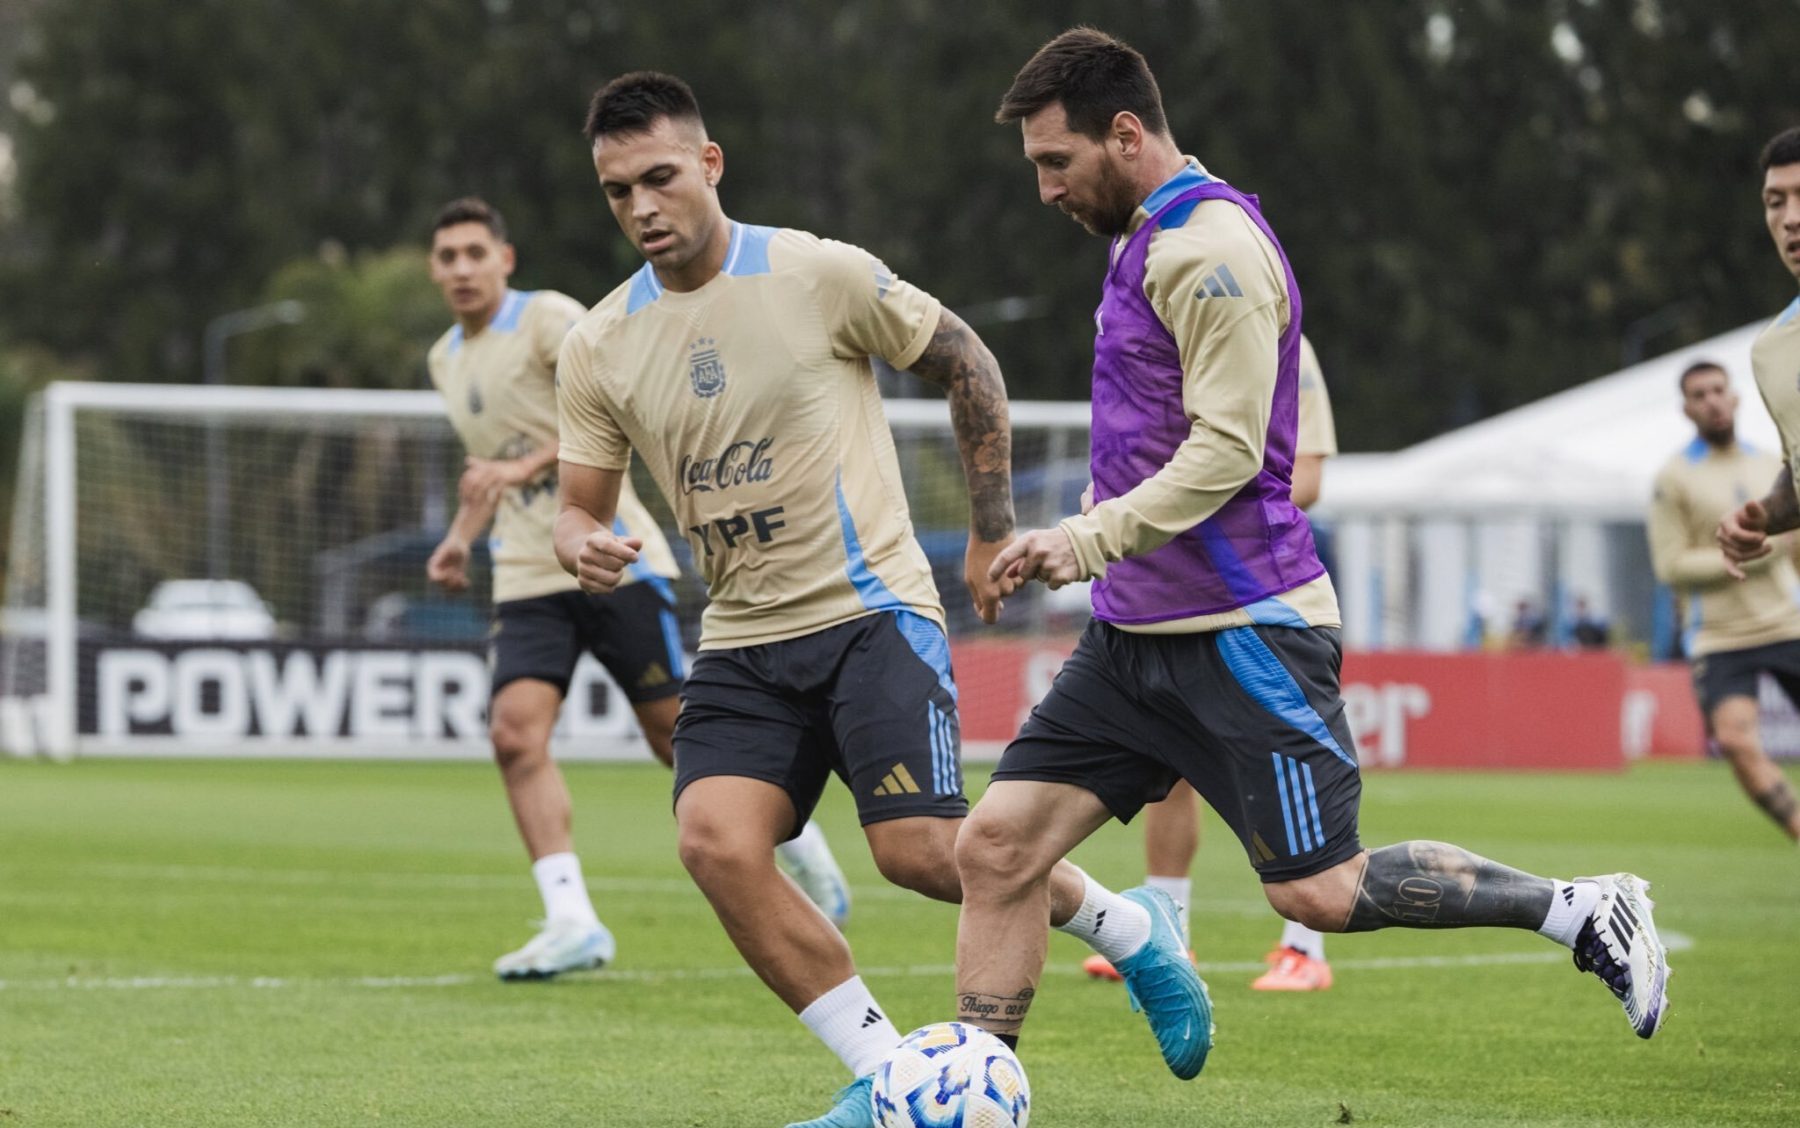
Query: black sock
x=1011, y=1040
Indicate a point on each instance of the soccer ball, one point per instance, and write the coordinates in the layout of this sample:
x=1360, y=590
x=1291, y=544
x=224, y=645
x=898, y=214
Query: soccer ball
x=951, y=1075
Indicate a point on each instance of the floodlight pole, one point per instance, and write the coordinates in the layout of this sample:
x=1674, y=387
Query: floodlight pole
x=212, y=366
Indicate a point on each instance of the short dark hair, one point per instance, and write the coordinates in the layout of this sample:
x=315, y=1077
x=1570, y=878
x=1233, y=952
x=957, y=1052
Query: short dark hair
x=1094, y=76
x=631, y=103
x=1782, y=149
x=1695, y=369
x=470, y=209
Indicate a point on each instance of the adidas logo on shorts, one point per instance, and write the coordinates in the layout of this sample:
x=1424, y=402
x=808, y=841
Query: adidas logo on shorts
x=898, y=781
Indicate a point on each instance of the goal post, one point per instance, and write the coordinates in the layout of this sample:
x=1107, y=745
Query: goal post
x=202, y=570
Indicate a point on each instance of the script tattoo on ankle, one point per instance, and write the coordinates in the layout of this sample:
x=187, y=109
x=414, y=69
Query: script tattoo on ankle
x=1437, y=885
x=997, y=1014
x=1779, y=802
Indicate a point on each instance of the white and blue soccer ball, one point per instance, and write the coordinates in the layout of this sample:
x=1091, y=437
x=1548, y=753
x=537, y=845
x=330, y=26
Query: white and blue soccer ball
x=951, y=1075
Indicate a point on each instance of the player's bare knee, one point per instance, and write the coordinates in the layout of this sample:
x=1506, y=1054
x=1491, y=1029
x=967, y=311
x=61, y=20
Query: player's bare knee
x=993, y=855
x=518, y=746
x=929, y=871
x=1317, y=902
x=712, y=854
x=1738, y=745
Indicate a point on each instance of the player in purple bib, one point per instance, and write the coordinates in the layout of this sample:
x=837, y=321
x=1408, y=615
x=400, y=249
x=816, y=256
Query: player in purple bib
x=1214, y=650
x=1255, y=546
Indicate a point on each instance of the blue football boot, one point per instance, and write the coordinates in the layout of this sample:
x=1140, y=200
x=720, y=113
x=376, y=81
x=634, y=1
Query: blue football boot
x=1163, y=984
x=853, y=1107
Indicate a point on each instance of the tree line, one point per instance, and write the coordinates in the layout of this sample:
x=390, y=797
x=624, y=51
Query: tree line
x=1484, y=200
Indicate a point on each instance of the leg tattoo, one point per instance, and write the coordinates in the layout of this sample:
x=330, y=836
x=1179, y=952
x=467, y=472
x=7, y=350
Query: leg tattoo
x=997, y=1014
x=1778, y=802
x=1437, y=885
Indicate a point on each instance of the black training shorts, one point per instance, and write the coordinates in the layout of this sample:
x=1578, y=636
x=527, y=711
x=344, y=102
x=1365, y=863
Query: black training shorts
x=1250, y=716
x=632, y=632
x=872, y=701
x=1733, y=673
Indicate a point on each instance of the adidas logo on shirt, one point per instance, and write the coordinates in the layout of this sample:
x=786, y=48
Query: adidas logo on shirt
x=1219, y=284
x=899, y=781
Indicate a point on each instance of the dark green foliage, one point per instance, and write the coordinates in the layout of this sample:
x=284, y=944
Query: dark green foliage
x=1477, y=218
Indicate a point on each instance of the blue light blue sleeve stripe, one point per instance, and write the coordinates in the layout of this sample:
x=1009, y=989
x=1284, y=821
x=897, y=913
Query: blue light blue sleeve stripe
x=1788, y=314
x=1312, y=800
x=1286, y=816
x=1270, y=685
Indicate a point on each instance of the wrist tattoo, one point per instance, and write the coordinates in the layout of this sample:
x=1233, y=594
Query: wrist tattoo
x=956, y=361
x=1437, y=885
x=997, y=1014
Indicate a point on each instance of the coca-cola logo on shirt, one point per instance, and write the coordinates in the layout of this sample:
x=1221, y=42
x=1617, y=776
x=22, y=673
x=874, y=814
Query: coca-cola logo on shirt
x=746, y=460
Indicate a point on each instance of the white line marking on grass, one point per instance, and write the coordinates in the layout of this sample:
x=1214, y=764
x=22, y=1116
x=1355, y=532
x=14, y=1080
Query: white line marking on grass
x=1674, y=941
x=250, y=875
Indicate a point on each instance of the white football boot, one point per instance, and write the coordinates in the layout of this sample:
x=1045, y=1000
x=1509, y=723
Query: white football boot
x=563, y=945
x=1619, y=944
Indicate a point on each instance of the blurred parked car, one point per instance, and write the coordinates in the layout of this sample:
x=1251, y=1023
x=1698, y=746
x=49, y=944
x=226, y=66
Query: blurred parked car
x=204, y=609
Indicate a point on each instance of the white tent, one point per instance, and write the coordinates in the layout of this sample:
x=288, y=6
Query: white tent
x=1542, y=503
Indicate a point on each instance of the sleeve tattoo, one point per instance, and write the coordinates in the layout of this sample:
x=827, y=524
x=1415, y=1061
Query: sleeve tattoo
x=956, y=361
x=1782, y=505
x=1436, y=885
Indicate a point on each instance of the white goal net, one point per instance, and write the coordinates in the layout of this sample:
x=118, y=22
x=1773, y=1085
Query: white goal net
x=205, y=570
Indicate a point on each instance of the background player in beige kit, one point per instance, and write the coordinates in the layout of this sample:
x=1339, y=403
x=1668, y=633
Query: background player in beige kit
x=736, y=364
x=1734, y=630
x=496, y=369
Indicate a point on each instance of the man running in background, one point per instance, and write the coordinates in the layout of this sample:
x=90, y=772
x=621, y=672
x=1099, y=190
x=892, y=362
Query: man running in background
x=496, y=369
x=1735, y=631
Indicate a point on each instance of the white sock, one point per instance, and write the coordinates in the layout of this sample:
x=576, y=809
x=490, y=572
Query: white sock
x=1303, y=939
x=806, y=851
x=1109, y=923
x=1180, y=888
x=565, y=894
x=1570, y=906
x=847, y=1020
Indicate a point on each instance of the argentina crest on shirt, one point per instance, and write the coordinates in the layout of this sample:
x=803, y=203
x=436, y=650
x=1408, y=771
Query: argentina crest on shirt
x=705, y=369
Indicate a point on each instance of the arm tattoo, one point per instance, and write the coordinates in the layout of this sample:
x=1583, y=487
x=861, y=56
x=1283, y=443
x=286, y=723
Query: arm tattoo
x=997, y=1014
x=1779, y=802
x=1782, y=506
x=1437, y=885
x=959, y=363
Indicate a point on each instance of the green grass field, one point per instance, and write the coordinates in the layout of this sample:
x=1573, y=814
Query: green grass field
x=190, y=943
